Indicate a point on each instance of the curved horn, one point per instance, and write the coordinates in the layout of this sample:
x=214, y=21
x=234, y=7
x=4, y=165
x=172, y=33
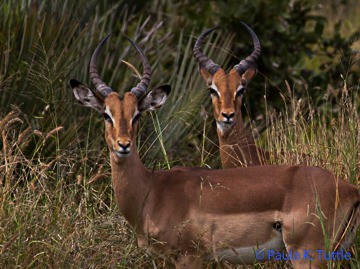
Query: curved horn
x=251, y=60
x=100, y=86
x=205, y=62
x=142, y=86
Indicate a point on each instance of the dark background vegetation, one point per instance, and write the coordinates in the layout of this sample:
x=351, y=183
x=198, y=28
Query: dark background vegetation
x=51, y=148
x=311, y=44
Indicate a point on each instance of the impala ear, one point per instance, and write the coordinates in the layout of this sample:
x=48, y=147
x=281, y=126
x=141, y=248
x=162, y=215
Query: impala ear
x=206, y=76
x=85, y=96
x=154, y=99
x=248, y=75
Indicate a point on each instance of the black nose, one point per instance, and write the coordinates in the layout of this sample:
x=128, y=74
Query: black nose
x=124, y=146
x=228, y=116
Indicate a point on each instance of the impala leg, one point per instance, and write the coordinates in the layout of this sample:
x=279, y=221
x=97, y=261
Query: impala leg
x=188, y=262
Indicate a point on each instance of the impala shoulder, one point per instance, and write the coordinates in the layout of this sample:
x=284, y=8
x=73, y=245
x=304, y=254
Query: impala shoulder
x=313, y=170
x=179, y=175
x=188, y=169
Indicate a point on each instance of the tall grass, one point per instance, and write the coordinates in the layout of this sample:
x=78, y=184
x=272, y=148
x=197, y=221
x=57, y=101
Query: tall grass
x=56, y=202
x=47, y=221
x=323, y=133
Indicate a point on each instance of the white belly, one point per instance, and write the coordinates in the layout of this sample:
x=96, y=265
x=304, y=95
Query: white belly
x=247, y=255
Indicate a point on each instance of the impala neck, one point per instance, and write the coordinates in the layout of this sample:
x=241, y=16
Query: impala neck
x=131, y=185
x=237, y=147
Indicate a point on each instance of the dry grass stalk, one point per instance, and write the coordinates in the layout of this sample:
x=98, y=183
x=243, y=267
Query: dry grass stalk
x=9, y=117
x=97, y=177
x=56, y=130
x=9, y=243
x=133, y=68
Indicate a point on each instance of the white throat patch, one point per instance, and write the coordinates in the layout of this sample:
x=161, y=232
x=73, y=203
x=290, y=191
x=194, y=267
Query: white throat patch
x=220, y=127
x=247, y=255
x=223, y=128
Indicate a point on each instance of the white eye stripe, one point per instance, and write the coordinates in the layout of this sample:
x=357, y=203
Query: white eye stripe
x=107, y=111
x=240, y=88
x=213, y=86
x=136, y=114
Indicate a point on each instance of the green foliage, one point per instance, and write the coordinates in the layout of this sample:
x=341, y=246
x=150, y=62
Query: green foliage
x=295, y=45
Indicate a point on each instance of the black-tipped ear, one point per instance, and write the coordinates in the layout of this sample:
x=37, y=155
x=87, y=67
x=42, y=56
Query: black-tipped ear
x=166, y=88
x=74, y=83
x=155, y=98
x=85, y=96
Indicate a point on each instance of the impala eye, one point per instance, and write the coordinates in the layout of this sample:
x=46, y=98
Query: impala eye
x=240, y=91
x=136, y=118
x=213, y=92
x=107, y=118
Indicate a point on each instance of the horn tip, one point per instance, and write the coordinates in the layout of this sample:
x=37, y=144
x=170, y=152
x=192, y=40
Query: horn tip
x=243, y=23
x=105, y=38
x=130, y=40
x=246, y=26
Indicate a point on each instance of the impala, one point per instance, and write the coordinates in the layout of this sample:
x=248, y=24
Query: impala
x=237, y=146
x=190, y=216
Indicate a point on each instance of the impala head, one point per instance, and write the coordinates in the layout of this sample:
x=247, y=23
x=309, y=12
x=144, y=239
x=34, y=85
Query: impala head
x=227, y=89
x=121, y=113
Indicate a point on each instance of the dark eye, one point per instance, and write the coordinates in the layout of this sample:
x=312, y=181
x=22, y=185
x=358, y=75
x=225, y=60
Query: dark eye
x=213, y=92
x=107, y=118
x=240, y=91
x=136, y=118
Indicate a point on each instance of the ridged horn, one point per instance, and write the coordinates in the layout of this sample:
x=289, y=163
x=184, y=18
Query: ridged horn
x=100, y=86
x=251, y=60
x=142, y=86
x=205, y=62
